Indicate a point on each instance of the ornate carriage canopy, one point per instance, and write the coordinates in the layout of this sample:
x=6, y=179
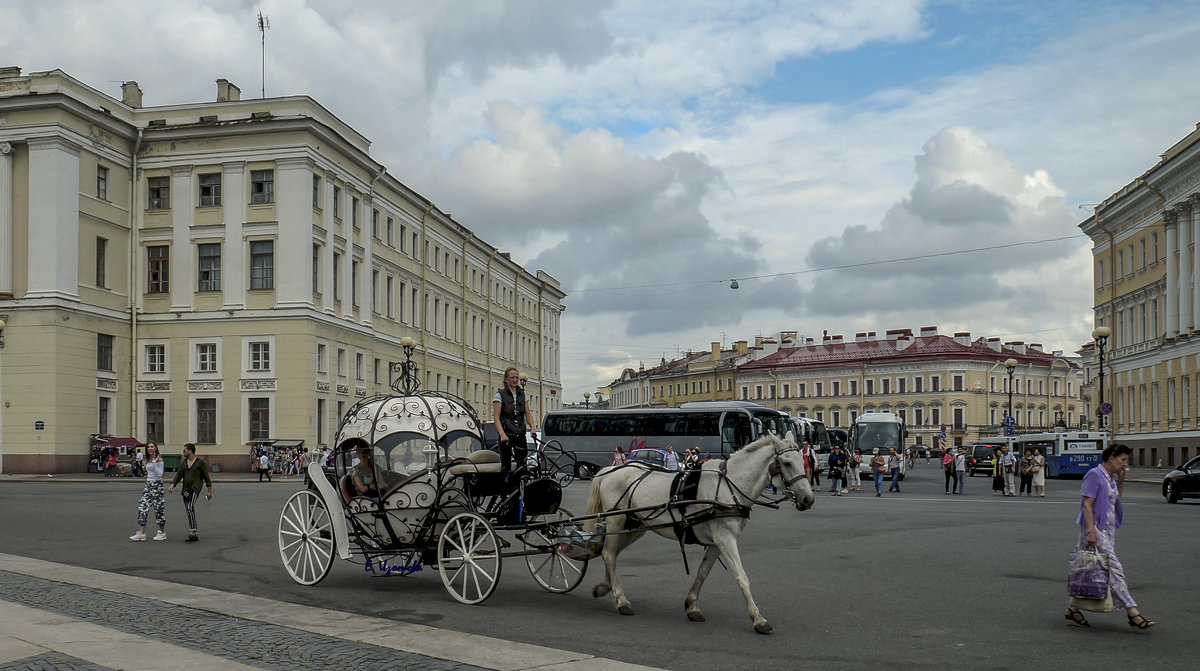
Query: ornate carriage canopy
x=410, y=422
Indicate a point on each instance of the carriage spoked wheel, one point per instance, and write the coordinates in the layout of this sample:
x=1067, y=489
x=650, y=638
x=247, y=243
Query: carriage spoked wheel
x=554, y=571
x=306, y=537
x=469, y=558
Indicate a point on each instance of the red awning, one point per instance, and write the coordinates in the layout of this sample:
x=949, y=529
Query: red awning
x=116, y=441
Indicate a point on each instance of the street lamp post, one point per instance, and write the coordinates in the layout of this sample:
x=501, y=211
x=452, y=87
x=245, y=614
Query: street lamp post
x=1100, y=334
x=1010, y=365
x=587, y=400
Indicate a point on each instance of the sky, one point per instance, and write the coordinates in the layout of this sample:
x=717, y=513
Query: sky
x=855, y=165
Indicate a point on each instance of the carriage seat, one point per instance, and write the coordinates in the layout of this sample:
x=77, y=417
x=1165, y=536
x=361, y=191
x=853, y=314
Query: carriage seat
x=347, y=484
x=479, y=461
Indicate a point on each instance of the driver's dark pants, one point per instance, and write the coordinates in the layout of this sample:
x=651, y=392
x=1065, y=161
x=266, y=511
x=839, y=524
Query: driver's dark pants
x=515, y=447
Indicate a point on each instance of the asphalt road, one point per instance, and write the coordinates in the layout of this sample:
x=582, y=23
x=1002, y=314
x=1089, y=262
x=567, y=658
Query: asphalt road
x=915, y=580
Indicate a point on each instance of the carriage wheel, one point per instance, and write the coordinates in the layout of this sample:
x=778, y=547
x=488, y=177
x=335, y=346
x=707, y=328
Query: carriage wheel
x=469, y=559
x=306, y=538
x=555, y=572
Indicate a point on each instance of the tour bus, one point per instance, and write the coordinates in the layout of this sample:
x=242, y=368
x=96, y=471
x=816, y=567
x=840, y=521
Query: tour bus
x=881, y=430
x=717, y=428
x=1067, y=453
x=817, y=435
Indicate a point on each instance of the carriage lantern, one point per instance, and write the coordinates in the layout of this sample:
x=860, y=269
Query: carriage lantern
x=431, y=454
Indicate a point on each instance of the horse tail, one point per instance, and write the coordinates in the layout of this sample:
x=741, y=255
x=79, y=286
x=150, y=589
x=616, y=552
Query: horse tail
x=593, y=506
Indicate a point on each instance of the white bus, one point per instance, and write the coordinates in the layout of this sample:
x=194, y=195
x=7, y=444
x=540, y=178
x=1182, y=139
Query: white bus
x=1067, y=452
x=717, y=428
x=882, y=430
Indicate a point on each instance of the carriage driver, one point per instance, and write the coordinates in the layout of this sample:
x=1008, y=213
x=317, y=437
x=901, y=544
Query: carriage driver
x=511, y=414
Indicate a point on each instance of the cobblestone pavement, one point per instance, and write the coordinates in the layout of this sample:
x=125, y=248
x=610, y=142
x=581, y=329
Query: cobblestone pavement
x=258, y=644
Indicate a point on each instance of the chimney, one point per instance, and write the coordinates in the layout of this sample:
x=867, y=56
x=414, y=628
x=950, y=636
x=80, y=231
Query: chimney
x=963, y=338
x=903, y=342
x=892, y=334
x=741, y=348
x=1035, y=347
x=131, y=94
x=809, y=341
x=10, y=71
x=994, y=344
x=227, y=91
x=1058, y=352
x=716, y=351
x=1017, y=346
x=927, y=331
x=837, y=339
x=758, y=342
x=860, y=336
x=870, y=336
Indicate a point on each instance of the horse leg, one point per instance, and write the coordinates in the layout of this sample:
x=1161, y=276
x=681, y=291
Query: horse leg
x=727, y=542
x=692, y=602
x=613, y=545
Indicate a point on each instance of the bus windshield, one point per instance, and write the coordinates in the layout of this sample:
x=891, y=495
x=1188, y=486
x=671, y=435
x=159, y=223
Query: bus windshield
x=883, y=435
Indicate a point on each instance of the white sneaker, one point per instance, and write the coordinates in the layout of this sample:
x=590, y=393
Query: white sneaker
x=139, y=536
x=160, y=536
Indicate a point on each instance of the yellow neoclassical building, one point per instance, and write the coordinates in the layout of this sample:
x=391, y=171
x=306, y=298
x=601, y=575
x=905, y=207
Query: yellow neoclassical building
x=1144, y=242
x=225, y=271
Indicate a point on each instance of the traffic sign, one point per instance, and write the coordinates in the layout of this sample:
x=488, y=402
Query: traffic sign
x=1105, y=408
x=1010, y=421
x=1009, y=431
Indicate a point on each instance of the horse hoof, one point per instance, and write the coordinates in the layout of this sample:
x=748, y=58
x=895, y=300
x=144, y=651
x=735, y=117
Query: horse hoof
x=625, y=609
x=763, y=627
x=601, y=590
x=695, y=616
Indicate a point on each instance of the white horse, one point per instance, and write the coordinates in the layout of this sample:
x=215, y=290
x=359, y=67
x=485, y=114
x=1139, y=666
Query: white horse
x=734, y=484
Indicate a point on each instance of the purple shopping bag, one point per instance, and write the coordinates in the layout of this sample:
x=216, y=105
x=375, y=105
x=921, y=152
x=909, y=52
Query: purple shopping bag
x=1087, y=575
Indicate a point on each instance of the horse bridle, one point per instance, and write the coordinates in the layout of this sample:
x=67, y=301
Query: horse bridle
x=776, y=468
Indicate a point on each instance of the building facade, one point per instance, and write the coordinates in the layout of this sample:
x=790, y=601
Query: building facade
x=1144, y=240
x=227, y=271
x=697, y=376
x=930, y=380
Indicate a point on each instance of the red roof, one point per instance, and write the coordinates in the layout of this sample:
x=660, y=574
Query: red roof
x=116, y=441
x=922, y=348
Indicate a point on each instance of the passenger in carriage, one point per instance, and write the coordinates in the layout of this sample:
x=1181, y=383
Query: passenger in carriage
x=366, y=478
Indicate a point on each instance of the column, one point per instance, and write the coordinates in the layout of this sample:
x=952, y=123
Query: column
x=293, y=243
x=1185, y=268
x=1194, y=199
x=53, y=245
x=1171, y=299
x=6, y=220
x=234, y=270
x=183, y=214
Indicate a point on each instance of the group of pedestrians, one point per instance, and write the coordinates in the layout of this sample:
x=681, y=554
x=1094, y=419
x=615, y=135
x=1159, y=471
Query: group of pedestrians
x=1029, y=470
x=192, y=473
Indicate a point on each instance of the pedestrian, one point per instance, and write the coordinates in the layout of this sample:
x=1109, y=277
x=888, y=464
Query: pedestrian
x=893, y=463
x=1008, y=463
x=812, y=463
x=1039, y=473
x=139, y=464
x=877, y=466
x=193, y=472
x=960, y=467
x=950, y=468
x=854, y=481
x=837, y=467
x=111, y=470
x=671, y=459
x=264, y=466
x=691, y=458
x=1025, y=466
x=997, y=474
x=619, y=457
x=512, y=417
x=1099, y=518
x=152, y=496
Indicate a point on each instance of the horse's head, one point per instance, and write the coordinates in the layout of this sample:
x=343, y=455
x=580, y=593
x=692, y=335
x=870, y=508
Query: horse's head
x=787, y=472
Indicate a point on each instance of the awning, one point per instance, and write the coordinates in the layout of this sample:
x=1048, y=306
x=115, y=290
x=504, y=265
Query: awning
x=117, y=441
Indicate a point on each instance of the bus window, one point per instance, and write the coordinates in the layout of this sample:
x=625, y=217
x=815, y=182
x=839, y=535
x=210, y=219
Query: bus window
x=735, y=432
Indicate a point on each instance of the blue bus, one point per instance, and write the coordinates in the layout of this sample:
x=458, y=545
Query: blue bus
x=1068, y=453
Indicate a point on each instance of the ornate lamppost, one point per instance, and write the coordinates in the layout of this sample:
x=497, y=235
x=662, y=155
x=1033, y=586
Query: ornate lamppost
x=1100, y=334
x=408, y=382
x=587, y=399
x=1010, y=365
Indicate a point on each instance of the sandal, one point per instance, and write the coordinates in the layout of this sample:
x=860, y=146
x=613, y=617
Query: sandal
x=1140, y=622
x=1077, y=619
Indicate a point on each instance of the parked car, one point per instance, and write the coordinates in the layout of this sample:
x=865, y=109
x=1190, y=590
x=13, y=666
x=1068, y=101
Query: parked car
x=649, y=455
x=980, y=459
x=1182, y=482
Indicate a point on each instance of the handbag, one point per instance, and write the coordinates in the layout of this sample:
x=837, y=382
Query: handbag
x=1093, y=605
x=1088, y=576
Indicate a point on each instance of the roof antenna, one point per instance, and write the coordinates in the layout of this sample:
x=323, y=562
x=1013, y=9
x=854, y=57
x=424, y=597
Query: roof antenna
x=263, y=24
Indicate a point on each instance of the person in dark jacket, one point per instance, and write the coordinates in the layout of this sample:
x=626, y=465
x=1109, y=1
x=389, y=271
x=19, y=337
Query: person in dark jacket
x=193, y=472
x=512, y=417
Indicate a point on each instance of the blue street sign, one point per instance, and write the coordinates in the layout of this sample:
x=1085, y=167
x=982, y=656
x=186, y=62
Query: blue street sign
x=1010, y=421
x=942, y=435
x=1106, y=408
x=1009, y=431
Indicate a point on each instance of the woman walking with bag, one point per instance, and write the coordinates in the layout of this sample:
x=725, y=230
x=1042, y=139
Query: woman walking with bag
x=1099, y=518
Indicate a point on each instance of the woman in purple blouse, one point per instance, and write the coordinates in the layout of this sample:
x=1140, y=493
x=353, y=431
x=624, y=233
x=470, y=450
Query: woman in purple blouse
x=1099, y=518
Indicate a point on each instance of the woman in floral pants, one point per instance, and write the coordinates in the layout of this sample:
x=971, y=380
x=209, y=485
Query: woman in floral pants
x=152, y=496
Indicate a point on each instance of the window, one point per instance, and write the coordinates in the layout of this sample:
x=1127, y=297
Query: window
x=917, y=384
x=375, y=224
x=786, y=390
x=337, y=285
x=837, y=388
x=935, y=384
x=102, y=415
x=260, y=356
x=102, y=182
x=316, y=191
x=354, y=212
x=1154, y=246
x=901, y=384
x=802, y=389
x=206, y=357
x=104, y=352
x=887, y=385
x=156, y=359
x=389, y=296
x=210, y=190
x=316, y=269
x=341, y=364
x=390, y=230
x=375, y=291
x=206, y=420
x=354, y=282
x=209, y=266
x=320, y=358
x=262, y=264
x=935, y=416
x=958, y=382
x=870, y=387
x=259, y=411
x=337, y=202
x=359, y=371
x=819, y=389
x=154, y=420
x=854, y=387
x=158, y=193
x=158, y=266
x=101, y=262
x=377, y=362
x=959, y=421
x=262, y=186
